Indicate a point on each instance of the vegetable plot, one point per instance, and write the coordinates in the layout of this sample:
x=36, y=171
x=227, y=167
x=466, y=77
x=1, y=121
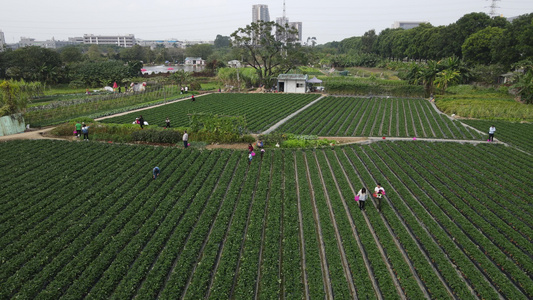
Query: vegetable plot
x=87, y=220
x=261, y=110
x=349, y=116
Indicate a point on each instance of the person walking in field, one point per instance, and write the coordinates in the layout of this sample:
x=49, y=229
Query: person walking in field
x=185, y=139
x=362, y=198
x=262, y=153
x=492, y=130
x=379, y=191
x=250, y=158
x=141, y=121
x=155, y=172
x=85, y=131
x=168, y=122
x=192, y=97
x=250, y=148
x=78, y=129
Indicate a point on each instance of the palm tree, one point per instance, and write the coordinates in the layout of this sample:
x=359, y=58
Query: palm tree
x=446, y=77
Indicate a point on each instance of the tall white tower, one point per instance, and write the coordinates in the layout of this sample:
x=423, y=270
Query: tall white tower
x=260, y=13
x=2, y=40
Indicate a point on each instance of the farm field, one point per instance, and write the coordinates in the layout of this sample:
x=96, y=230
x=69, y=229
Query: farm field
x=396, y=117
x=86, y=220
x=261, y=110
x=518, y=135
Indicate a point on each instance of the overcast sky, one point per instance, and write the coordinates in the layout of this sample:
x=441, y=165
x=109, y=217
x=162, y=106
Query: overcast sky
x=327, y=20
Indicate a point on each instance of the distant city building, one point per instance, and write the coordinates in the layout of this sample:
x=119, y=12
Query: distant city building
x=126, y=41
x=194, y=61
x=298, y=26
x=50, y=44
x=406, y=24
x=260, y=13
x=284, y=21
x=171, y=43
x=511, y=19
x=76, y=40
x=190, y=43
x=2, y=40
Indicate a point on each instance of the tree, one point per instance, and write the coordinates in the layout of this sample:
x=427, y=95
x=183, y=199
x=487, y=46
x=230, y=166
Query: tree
x=516, y=43
x=262, y=50
x=524, y=82
x=34, y=64
x=94, y=53
x=199, y=50
x=180, y=77
x=70, y=54
x=134, y=53
x=479, y=47
x=368, y=40
x=222, y=41
x=14, y=96
x=103, y=72
x=445, y=78
x=464, y=27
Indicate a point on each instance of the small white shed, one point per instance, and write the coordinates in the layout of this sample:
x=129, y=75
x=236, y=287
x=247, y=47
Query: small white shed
x=292, y=83
x=194, y=61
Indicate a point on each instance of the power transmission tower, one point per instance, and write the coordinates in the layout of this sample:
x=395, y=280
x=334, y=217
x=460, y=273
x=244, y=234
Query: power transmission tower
x=493, y=7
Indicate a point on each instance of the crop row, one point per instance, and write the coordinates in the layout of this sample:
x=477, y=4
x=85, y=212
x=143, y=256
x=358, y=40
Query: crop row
x=261, y=111
x=349, y=116
x=212, y=226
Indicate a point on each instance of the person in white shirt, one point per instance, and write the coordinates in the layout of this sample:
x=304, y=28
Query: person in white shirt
x=185, y=139
x=362, y=198
x=379, y=191
x=492, y=130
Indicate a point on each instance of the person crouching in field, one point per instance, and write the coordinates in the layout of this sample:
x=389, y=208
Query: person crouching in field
x=155, y=172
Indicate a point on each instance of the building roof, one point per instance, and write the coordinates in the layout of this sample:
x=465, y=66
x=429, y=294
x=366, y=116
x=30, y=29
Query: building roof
x=292, y=77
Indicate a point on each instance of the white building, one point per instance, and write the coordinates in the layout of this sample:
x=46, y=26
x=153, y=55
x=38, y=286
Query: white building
x=194, y=61
x=50, y=44
x=406, y=24
x=234, y=64
x=292, y=83
x=126, y=41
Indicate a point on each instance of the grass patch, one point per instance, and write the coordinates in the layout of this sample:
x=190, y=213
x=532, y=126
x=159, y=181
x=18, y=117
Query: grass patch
x=483, y=103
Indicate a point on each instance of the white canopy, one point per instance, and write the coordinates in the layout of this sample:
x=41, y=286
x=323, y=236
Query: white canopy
x=314, y=80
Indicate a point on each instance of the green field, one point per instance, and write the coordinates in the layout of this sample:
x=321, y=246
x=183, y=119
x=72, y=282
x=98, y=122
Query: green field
x=261, y=110
x=396, y=117
x=86, y=220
